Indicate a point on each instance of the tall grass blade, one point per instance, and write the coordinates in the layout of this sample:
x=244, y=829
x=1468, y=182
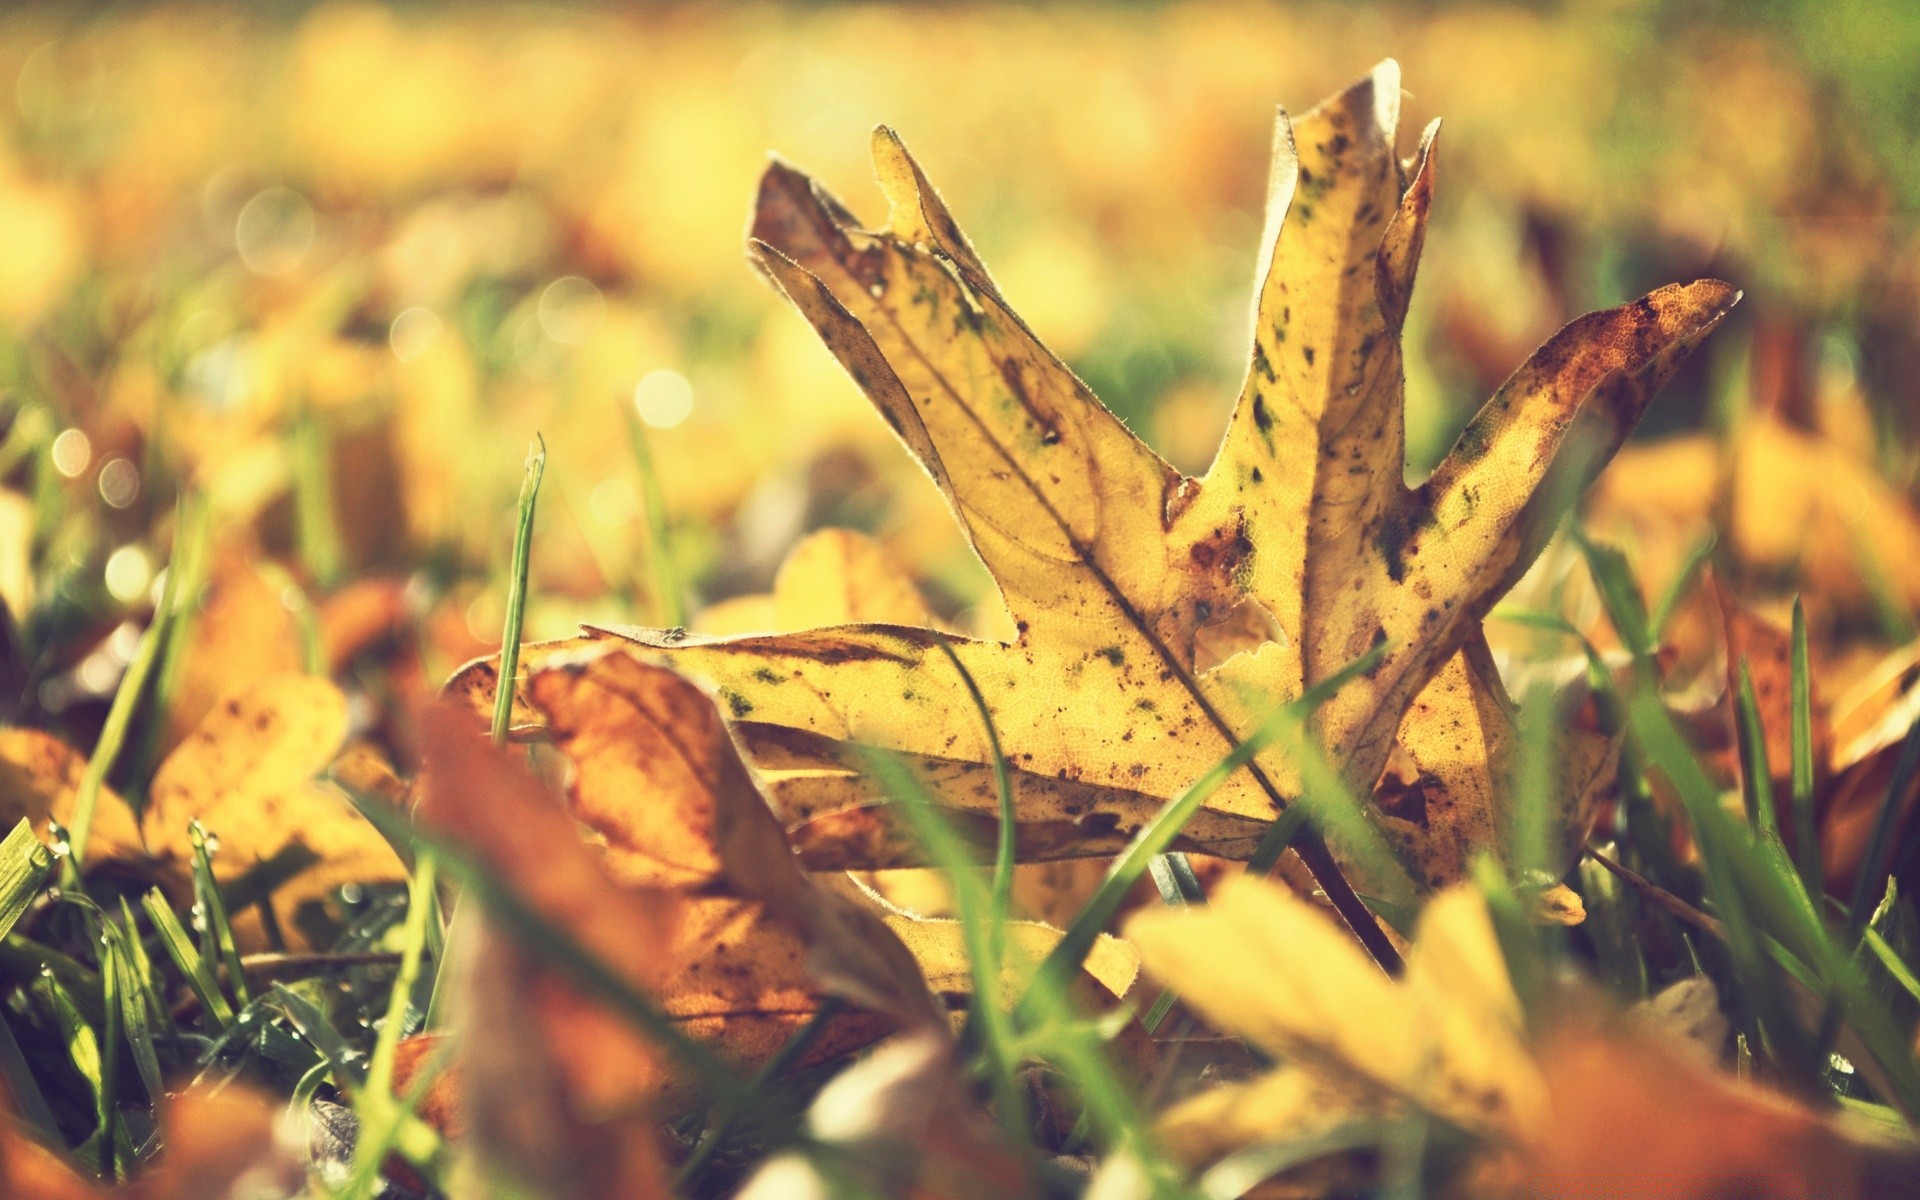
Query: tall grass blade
x=216, y=932
x=517, y=591
x=179, y=947
x=1806, y=838
x=24, y=865
x=113, y=733
x=1756, y=773
x=669, y=600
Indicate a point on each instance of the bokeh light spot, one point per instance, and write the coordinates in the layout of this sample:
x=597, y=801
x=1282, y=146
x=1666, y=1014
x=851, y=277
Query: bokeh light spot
x=119, y=482
x=570, y=310
x=664, y=399
x=128, y=573
x=72, y=451
x=412, y=332
x=274, y=231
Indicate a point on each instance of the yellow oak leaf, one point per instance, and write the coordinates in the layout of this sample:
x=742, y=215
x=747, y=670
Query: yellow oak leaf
x=1160, y=617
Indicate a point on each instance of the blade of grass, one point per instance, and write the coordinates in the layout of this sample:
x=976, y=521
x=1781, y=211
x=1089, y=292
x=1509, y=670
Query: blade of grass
x=1677, y=590
x=112, y=1000
x=83, y=1051
x=1619, y=594
x=1902, y=974
x=1806, y=840
x=24, y=864
x=313, y=1025
x=1756, y=773
x=179, y=947
x=113, y=733
x=975, y=909
x=140, y=968
x=1769, y=897
x=670, y=602
x=216, y=935
x=1665, y=750
x=517, y=590
x=511, y=636
x=1001, y=905
x=316, y=531
x=381, y=1113
x=189, y=561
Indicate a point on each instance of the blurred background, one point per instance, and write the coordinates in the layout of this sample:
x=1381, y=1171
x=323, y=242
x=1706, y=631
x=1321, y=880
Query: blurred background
x=334, y=266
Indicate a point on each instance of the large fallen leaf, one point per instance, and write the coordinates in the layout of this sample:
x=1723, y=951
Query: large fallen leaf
x=553, y=1085
x=247, y=773
x=658, y=787
x=1299, y=551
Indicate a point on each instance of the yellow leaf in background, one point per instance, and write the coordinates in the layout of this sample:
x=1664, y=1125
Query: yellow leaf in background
x=1801, y=506
x=1302, y=542
x=39, y=775
x=248, y=774
x=242, y=631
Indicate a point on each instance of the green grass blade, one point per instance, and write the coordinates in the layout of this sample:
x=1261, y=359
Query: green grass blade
x=1806, y=838
x=1755, y=771
x=140, y=966
x=125, y=992
x=1532, y=618
x=113, y=1000
x=113, y=733
x=83, y=1051
x=1677, y=590
x=974, y=907
x=382, y=1114
x=1901, y=972
x=22, y=1088
x=1002, y=893
x=316, y=530
x=179, y=947
x=24, y=864
x=1619, y=593
x=216, y=935
x=517, y=591
x=669, y=600
x=348, y=1071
